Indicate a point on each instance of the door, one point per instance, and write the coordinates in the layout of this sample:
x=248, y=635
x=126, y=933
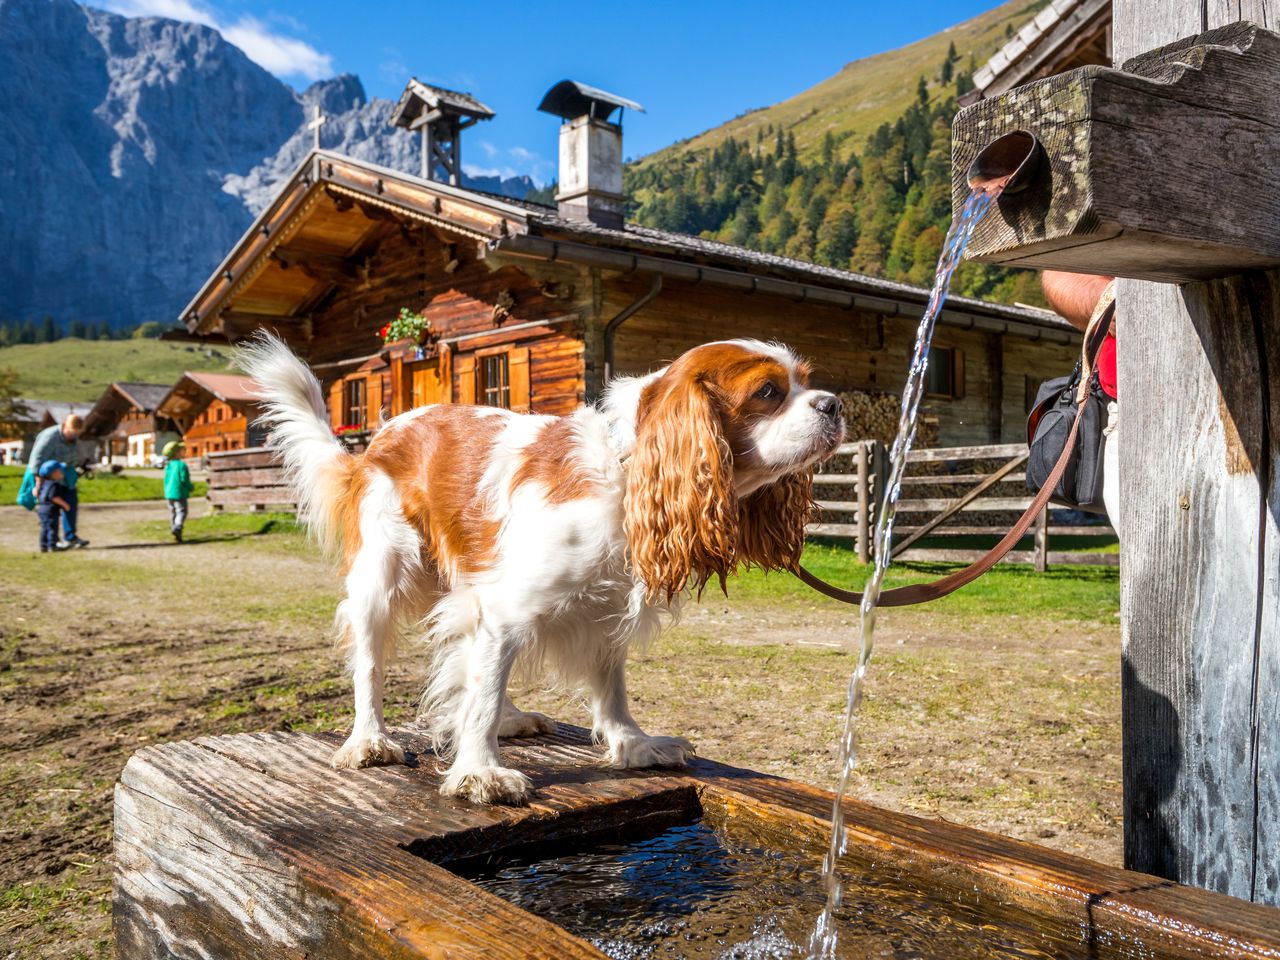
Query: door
x=424, y=383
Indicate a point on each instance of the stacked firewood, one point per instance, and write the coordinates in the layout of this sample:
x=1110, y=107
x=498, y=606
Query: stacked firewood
x=874, y=416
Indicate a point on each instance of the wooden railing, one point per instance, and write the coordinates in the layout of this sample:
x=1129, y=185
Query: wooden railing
x=942, y=491
x=249, y=479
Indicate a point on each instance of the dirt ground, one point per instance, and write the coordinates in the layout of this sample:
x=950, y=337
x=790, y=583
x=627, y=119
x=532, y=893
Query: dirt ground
x=1011, y=725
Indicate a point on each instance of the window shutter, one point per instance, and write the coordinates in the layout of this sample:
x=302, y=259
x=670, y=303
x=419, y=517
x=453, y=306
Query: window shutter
x=373, y=400
x=398, y=387
x=445, y=361
x=518, y=371
x=957, y=373
x=335, y=404
x=466, y=368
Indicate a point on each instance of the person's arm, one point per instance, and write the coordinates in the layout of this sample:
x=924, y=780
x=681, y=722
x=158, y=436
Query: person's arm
x=62, y=503
x=38, y=448
x=1073, y=296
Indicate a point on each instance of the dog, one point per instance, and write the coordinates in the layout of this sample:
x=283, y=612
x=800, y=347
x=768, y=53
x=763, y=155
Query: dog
x=552, y=543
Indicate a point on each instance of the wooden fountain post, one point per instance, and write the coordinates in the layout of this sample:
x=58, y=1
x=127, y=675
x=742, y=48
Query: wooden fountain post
x=1170, y=171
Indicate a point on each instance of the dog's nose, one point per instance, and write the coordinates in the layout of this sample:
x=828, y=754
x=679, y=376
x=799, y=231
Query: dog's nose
x=828, y=405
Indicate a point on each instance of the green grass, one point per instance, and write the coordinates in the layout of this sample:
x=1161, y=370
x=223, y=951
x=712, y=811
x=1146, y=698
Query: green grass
x=79, y=370
x=867, y=92
x=223, y=525
x=101, y=488
x=1073, y=592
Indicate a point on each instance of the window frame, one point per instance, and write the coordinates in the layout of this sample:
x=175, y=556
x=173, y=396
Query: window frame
x=352, y=385
x=955, y=372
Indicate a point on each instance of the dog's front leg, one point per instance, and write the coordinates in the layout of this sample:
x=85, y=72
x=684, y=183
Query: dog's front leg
x=477, y=772
x=368, y=624
x=612, y=723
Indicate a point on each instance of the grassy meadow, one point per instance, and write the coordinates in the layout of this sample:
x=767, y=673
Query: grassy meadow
x=77, y=370
x=102, y=487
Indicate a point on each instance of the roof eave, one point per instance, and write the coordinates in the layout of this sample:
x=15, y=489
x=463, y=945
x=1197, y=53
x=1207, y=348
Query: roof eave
x=377, y=184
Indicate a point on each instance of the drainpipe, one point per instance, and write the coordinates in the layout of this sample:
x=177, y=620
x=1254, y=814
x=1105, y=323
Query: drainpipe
x=611, y=328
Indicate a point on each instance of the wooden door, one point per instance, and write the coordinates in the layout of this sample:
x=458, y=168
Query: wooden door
x=424, y=383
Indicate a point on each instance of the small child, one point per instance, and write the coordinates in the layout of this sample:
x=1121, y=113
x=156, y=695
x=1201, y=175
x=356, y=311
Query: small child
x=177, y=486
x=51, y=500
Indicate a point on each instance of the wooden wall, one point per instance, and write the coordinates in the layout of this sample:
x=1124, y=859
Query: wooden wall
x=849, y=350
x=461, y=295
x=220, y=426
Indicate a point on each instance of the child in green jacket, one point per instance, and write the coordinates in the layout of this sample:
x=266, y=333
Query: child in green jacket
x=177, y=486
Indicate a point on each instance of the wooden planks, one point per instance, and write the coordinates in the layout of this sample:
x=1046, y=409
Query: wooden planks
x=1200, y=594
x=1106, y=131
x=252, y=845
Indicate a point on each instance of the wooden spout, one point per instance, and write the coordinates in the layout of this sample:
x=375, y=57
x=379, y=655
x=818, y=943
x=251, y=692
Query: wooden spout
x=1165, y=170
x=1007, y=164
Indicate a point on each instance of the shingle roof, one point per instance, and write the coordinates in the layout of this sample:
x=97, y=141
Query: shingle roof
x=229, y=387
x=664, y=242
x=145, y=396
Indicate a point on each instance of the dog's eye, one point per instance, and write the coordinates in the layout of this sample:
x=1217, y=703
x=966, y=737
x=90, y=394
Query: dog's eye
x=768, y=392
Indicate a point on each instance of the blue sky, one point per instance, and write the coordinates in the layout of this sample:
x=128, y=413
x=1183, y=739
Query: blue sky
x=692, y=65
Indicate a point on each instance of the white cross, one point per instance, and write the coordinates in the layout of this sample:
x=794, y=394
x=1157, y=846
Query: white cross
x=316, y=123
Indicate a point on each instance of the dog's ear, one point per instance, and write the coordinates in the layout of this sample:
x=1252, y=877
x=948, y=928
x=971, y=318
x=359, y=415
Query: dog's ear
x=681, y=511
x=771, y=522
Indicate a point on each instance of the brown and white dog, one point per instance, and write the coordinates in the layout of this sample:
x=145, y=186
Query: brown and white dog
x=552, y=542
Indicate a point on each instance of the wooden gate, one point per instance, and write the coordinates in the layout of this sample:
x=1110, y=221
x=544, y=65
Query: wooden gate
x=948, y=491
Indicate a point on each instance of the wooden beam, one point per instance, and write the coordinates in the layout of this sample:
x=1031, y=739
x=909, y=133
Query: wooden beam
x=1198, y=446
x=955, y=506
x=1164, y=171
x=319, y=266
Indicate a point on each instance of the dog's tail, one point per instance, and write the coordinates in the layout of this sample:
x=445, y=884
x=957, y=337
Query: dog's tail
x=317, y=467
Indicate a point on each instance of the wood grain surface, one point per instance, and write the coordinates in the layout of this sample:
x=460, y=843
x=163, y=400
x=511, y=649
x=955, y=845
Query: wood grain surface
x=252, y=845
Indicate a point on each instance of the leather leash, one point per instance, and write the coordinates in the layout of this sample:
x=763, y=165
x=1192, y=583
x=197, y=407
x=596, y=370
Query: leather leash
x=923, y=592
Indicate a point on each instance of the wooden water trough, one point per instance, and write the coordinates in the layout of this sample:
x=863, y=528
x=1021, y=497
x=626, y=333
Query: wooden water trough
x=251, y=845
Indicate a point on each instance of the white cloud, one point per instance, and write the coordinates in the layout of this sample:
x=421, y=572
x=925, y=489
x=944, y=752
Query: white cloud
x=283, y=55
x=525, y=155
x=489, y=149
x=286, y=56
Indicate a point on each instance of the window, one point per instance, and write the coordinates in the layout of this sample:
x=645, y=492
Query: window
x=945, y=373
x=495, y=381
x=354, y=408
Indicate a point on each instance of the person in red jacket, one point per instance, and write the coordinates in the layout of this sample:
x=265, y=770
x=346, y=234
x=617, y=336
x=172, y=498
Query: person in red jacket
x=1075, y=296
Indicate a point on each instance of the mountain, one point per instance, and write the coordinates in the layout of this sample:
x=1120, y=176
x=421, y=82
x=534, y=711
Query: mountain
x=135, y=151
x=867, y=92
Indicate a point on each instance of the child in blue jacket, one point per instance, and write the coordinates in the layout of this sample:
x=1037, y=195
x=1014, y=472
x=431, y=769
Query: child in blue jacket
x=51, y=500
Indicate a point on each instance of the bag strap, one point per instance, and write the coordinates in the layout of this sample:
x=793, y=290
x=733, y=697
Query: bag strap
x=923, y=592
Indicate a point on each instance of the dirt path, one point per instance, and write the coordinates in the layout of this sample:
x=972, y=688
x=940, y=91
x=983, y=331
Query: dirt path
x=1010, y=725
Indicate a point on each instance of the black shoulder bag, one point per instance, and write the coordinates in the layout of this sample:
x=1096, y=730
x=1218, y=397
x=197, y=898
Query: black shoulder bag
x=1059, y=403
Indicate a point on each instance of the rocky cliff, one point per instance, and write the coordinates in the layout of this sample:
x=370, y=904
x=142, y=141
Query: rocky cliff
x=135, y=151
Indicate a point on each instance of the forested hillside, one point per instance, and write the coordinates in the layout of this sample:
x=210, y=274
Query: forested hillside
x=879, y=205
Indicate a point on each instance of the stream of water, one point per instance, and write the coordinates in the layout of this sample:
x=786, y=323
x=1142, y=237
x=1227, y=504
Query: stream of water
x=822, y=944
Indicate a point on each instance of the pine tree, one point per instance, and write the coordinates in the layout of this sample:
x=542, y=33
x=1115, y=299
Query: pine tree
x=48, y=329
x=922, y=91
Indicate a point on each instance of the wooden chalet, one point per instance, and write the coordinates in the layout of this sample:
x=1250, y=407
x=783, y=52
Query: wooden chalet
x=127, y=426
x=214, y=412
x=39, y=414
x=534, y=308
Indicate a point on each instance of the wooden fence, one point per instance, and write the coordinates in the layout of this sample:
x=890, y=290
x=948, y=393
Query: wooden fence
x=249, y=479
x=943, y=490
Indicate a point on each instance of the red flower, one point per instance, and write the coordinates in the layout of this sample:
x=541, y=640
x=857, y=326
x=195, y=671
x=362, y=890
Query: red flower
x=383, y=332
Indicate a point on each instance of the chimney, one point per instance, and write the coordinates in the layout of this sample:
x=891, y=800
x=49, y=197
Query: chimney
x=441, y=115
x=590, y=152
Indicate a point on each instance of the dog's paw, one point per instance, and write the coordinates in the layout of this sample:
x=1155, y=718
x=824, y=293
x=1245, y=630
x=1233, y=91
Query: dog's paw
x=519, y=723
x=487, y=785
x=638, y=752
x=367, y=751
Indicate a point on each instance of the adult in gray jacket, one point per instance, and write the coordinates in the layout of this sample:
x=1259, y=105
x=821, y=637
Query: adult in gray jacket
x=59, y=443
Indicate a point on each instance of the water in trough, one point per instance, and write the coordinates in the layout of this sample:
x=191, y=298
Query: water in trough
x=711, y=890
